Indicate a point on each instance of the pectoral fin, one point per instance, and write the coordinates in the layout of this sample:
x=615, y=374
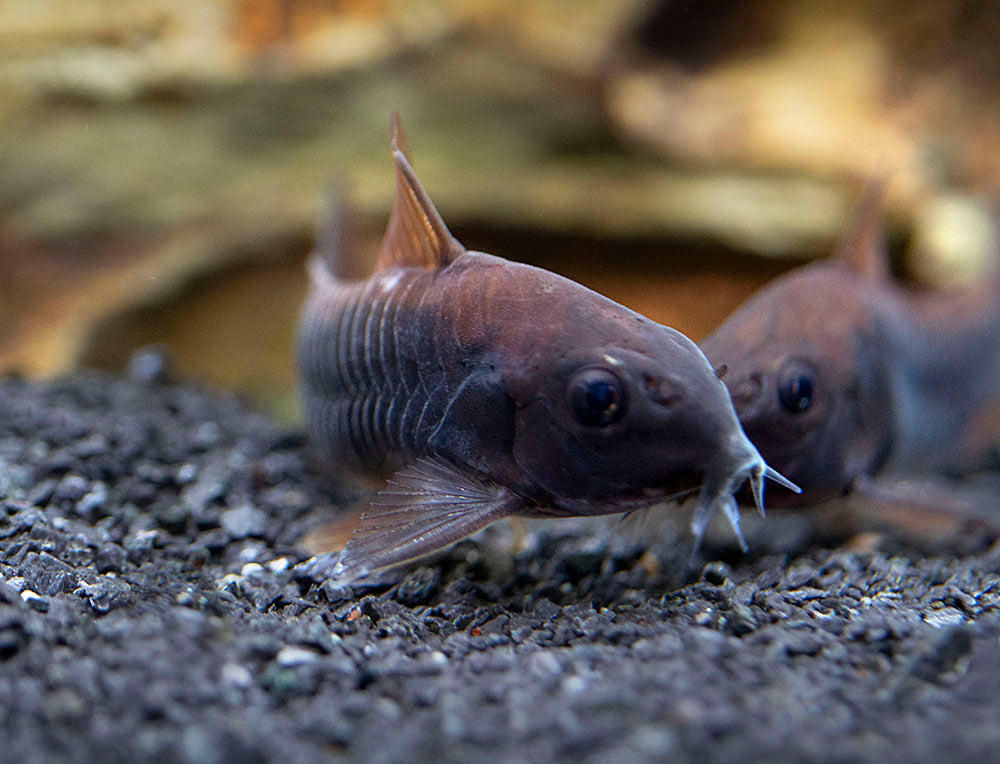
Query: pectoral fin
x=425, y=507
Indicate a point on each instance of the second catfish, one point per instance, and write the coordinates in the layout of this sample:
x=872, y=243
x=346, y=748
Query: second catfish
x=488, y=388
x=849, y=381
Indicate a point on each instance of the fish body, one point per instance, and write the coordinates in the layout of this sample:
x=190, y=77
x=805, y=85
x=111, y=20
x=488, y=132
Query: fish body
x=839, y=374
x=489, y=388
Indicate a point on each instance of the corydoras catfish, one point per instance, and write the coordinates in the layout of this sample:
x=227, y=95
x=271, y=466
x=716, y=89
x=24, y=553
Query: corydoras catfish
x=489, y=388
x=840, y=374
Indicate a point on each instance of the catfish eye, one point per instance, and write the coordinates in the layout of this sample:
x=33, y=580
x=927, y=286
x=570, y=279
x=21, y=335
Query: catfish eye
x=597, y=397
x=796, y=388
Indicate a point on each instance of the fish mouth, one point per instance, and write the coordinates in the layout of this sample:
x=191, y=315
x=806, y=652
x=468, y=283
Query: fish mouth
x=742, y=464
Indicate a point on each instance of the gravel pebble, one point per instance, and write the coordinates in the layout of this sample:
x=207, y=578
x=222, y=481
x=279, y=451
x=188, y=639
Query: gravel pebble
x=156, y=605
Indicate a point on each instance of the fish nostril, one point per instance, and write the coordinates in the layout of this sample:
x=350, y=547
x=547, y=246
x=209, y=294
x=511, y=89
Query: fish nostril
x=661, y=391
x=747, y=390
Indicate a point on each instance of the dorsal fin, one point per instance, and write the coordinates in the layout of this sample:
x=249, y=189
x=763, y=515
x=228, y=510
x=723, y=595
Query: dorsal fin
x=336, y=251
x=416, y=235
x=864, y=250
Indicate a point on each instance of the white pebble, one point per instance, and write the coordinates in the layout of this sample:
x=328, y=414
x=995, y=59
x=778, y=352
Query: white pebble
x=947, y=616
x=544, y=664
x=251, y=569
x=290, y=657
x=703, y=618
x=574, y=685
x=236, y=675
x=228, y=580
x=279, y=565
x=251, y=552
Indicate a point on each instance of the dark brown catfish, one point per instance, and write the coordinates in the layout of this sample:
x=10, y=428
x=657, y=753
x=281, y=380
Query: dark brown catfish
x=840, y=374
x=491, y=389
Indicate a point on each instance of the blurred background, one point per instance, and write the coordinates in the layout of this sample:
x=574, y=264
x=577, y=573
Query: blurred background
x=162, y=162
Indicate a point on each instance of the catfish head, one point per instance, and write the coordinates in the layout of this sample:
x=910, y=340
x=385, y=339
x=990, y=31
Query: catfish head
x=627, y=413
x=805, y=364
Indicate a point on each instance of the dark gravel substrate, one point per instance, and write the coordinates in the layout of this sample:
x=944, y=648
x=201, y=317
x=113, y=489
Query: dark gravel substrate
x=154, y=605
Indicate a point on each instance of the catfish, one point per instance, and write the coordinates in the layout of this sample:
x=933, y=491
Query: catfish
x=851, y=383
x=487, y=388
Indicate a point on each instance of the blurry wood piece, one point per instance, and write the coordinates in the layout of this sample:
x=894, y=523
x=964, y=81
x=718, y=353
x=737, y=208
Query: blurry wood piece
x=233, y=328
x=956, y=242
x=908, y=90
x=154, y=150
x=577, y=36
x=109, y=209
x=96, y=49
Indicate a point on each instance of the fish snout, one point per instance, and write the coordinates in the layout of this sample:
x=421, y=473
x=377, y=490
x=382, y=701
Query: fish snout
x=738, y=462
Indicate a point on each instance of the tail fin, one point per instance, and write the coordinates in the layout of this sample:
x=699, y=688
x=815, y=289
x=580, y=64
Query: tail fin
x=335, y=254
x=864, y=249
